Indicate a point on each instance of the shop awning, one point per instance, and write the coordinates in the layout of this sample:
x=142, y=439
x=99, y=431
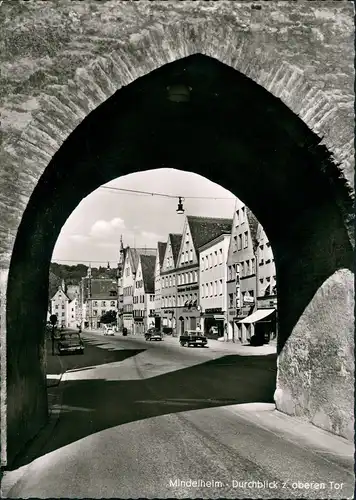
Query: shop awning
x=257, y=316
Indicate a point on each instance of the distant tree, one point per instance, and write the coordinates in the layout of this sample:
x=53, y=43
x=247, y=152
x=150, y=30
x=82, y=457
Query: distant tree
x=108, y=317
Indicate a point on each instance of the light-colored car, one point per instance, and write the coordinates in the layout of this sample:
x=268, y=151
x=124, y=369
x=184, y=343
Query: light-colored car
x=109, y=331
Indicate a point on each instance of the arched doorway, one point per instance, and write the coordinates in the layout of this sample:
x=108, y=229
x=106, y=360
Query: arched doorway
x=235, y=133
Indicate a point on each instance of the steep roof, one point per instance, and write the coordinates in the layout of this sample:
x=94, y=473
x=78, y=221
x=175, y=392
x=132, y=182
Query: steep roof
x=175, y=244
x=134, y=255
x=148, y=265
x=204, y=229
x=101, y=288
x=161, y=251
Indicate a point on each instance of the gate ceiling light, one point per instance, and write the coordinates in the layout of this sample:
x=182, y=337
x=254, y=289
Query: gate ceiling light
x=180, y=209
x=179, y=93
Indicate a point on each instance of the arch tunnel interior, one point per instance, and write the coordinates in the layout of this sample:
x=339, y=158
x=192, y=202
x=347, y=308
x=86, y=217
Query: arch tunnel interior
x=232, y=131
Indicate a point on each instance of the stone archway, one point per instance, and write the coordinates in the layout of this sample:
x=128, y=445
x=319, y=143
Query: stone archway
x=234, y=40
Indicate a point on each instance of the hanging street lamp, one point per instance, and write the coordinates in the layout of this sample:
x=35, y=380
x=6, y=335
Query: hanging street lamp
x=180, y=209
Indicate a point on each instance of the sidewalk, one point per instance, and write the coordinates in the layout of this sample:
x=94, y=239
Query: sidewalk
x=333, y=448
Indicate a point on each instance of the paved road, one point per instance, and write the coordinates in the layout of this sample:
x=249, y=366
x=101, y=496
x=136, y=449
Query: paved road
x=139, y=418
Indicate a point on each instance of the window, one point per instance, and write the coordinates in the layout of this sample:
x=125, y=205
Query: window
x=186, y=278
x=62, y=306
x=248, y=270
x=220, y=287
x=103, y=303
x=215, y=288
x=220, y=256
x=202, y=290
x=245, y=239
x=239, y=243
x=170, y=281
x=95, y=312
x=231, y=300
x=195, y=276
x=174, y=280
x=178, y=279
x=215, y=258
x=202, y=263
x=242, y=269
x=103, y=311
x=95, y=303
x=186, y=256
x=182, y=258
x=63, y=314
x=237, y=217
x=229, y=273
x=253, y=266
x=190, y=277
x=211, y=289
x=191, y=255
x=56, y=306
x=206, y=263
x=243, y=215
x=183, y=281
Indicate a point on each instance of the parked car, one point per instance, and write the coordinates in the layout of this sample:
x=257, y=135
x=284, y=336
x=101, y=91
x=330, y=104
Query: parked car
x=193, y=338
x=70, y=343
x=109, y=331
x=153, y=334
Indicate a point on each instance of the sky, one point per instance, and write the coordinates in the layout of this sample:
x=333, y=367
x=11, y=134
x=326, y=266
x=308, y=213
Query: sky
x=92, y=232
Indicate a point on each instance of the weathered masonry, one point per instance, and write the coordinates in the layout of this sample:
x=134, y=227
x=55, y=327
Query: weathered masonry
x=84, y=100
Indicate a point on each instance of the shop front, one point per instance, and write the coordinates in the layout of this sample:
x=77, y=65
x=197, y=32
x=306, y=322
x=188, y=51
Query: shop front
x=260, y=324
x=128, y=322
x=139, y=327
x=214, y=320
x=188, y=319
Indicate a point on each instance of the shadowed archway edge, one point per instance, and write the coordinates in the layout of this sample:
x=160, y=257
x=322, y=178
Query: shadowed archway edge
x=63, y=107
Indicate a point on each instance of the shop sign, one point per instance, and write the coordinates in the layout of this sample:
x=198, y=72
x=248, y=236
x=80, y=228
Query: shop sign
x=248, y=300
x=186, y=309
x=232, y=312
x=168, y=311
x=213, y=310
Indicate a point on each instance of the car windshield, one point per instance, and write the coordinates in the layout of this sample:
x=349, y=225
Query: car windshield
x=70, y=336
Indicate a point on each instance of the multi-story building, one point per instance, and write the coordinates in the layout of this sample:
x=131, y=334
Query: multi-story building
x=102, y=298
x=196, y=232
x=128, y=282
x=168, y=283
x=74, y=309
x=212, y=281
x=143, y=298
x=241, y=271
x=59, y=305
x=161, y=249
x=251, y=278
x=266, y=284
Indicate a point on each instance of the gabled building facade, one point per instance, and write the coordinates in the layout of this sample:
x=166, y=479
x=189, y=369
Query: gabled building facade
x=197, y=231
x=59, y=305
x=212, y=282
x=130, y=266
x=143, y=298
x=161, y=249
x=169, y=284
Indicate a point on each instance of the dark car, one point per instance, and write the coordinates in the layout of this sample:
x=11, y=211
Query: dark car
x=153, y=334
x=70, y=343
x=193, y=338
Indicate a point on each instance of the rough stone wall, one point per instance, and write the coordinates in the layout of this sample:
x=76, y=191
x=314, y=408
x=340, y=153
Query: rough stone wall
x=60, y=59
x=316, y=365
